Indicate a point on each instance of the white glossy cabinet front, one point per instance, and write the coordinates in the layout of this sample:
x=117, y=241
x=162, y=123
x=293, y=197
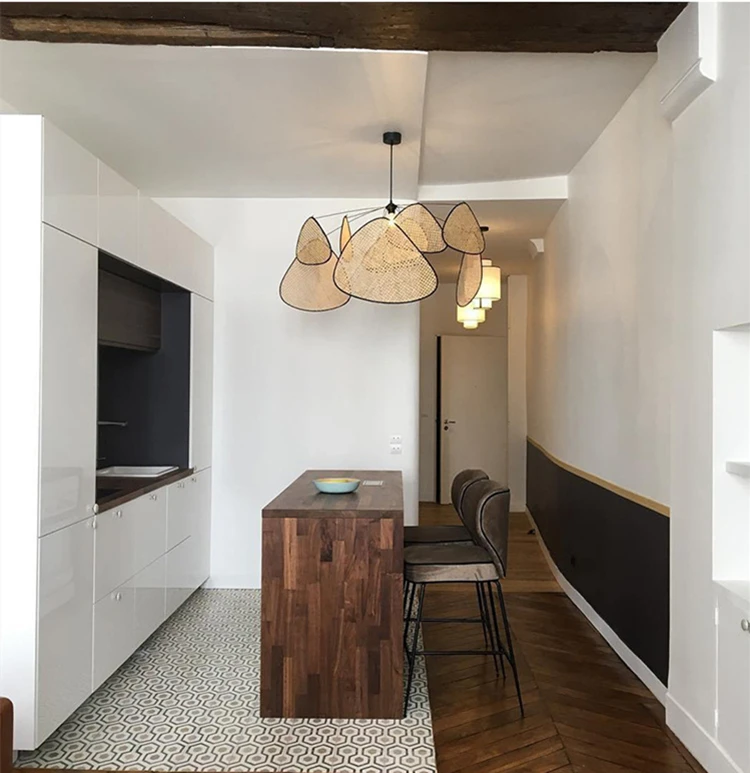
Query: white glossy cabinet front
x=734, y=678
x=179, y=512
x=150, y=524
x=70, y=186
x=180, y=574
x=201, y=381
x=115, y=549
x=114, y=632
x=69, y=367
x=150, y=598
x=118, y=215
x=66, y=573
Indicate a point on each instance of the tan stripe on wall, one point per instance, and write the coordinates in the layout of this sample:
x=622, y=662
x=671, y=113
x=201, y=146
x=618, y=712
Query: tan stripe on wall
x=657, y=507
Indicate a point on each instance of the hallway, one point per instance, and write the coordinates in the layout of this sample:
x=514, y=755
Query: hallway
x=585, y=711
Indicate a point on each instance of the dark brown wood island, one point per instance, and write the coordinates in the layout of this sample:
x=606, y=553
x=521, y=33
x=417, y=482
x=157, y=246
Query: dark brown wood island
x=331, y=630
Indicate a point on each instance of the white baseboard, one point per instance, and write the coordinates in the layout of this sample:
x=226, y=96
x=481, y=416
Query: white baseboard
x=699, y=743
x=236, y=581
x=631, y=660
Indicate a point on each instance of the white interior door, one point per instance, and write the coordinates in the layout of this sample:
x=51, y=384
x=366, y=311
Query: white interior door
x=473, y=408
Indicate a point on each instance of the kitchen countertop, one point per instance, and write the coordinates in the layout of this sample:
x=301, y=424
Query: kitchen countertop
x=122, y=490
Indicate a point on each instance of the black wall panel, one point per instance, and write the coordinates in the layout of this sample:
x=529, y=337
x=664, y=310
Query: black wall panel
x=614, y=551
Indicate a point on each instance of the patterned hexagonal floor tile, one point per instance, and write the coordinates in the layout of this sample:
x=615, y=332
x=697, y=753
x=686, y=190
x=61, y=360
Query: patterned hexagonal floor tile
x=189, y=700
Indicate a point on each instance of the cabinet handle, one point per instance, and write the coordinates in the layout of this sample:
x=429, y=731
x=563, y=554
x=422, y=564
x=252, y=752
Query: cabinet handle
x=180, y=485
x=118, y=513
x=153, y=496
x=95, y=509
x=93, y=522
x=117, y=596
x=195, y=480
x=745, y=625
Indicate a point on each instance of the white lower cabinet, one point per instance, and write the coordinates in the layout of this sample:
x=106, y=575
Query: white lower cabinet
x=114, y=634
x=150, y=598
x=150, y=522
x=66, y=561
x=115, y=548
x=180, y=574
x=179, y=512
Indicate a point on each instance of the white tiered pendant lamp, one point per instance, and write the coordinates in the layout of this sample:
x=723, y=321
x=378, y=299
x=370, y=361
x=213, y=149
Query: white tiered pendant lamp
x=469, y=317
x=490, y=289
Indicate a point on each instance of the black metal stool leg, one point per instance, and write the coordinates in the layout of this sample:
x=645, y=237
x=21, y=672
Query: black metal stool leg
x=497, y=643
x=409, y=608
x=407, y=589
x=493, y=645
x=412, y=654
x=482, y=610
x=511, y=654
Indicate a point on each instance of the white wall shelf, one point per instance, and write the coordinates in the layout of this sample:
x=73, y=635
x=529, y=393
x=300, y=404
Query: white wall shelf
x=739, y=468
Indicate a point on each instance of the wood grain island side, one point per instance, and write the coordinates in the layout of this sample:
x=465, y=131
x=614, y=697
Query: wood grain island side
x=331, y=609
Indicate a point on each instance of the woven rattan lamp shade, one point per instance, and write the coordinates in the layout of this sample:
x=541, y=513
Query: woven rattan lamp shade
x=381, y=264
x=311, y=288
x=462, y=232
x=346, y=234
x=313, y=247
x=419, y=224
x=469, y=279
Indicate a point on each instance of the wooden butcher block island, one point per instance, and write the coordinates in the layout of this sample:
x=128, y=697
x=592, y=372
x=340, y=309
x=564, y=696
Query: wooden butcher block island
x=331, y=635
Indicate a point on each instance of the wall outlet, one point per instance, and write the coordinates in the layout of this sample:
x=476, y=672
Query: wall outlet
x=396, y=439
x=396, y=448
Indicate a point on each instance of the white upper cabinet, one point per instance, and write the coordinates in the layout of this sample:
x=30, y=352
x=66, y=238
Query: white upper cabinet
x=71, y=177
x=201, y=381
x=69, y=367
x=168, y=248
x=118, y=215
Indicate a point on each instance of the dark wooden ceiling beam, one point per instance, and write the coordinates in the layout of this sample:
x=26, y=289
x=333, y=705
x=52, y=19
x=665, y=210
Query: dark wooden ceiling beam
x=532, y=27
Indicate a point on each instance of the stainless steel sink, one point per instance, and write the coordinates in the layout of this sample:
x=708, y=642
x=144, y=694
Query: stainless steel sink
x=133, y=472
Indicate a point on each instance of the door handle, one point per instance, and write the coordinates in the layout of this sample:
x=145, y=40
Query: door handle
x=446, y=422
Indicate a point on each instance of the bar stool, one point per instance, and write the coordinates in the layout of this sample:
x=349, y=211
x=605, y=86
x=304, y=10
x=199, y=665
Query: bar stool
x=418, y=535
x=483, y=564
x=458, y=534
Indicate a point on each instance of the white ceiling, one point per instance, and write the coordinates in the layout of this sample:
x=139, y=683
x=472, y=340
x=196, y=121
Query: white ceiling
x=512, y=116
x=307, y=123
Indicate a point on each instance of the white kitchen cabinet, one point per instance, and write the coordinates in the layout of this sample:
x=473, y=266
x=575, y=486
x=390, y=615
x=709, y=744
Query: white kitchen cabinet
x=733, y=672
x=150, y=528
x=68, y=391
x=114, y=549
x=179, y=512
x=200, y=492
x=118, y=215
x=180, y=575
x=114, y=632
x=168, y=248
x=66, y=569
x=70, y=186
x=150, y=598
x=201, y=381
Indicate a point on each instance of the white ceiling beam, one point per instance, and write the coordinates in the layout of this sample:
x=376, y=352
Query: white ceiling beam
x=500, y=190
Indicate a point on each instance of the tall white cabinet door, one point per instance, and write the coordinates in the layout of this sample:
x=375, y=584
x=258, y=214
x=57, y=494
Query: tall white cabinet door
x=69, y=357
x=118, y=215
x=66, y=585
x=201, y=381
x=70, y=185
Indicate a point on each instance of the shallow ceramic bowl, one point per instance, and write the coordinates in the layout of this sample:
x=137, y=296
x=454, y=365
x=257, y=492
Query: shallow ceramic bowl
x=336, y=485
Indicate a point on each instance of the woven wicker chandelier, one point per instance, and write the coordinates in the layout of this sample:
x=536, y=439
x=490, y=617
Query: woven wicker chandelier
x=384, y=260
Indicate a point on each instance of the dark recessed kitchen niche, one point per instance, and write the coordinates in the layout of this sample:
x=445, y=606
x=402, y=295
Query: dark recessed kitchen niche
x=144, y=368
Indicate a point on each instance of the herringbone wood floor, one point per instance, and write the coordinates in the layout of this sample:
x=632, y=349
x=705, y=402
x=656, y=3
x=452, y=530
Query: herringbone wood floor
x=585, y=711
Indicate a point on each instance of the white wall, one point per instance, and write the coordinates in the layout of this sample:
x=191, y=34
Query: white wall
x=294, y=390
x=517, y=400
x=437, y=316
x=711, y=291
x=599, y=297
